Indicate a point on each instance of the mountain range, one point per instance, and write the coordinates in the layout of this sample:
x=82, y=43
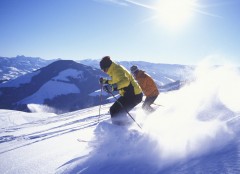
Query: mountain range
x=13, y=67
x=61, y=86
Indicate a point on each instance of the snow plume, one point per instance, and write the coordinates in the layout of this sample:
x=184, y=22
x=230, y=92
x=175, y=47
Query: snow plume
x=193, y=122
x=40, y=108
x=221, y=81
x=119, y=149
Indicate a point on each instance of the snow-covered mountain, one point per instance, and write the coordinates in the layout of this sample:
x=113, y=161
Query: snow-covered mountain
x=65, y=85
x=61, y=86
x=164, y=74
x=11, y=68
x=196, y=130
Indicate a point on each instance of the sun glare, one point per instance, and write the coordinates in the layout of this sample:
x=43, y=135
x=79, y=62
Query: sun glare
x=174, y=14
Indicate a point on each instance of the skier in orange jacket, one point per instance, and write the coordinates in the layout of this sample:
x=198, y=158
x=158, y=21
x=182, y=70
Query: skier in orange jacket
x=148, y=86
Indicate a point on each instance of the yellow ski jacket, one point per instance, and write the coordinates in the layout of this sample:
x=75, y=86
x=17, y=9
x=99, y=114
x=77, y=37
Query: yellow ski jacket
x=122, y=77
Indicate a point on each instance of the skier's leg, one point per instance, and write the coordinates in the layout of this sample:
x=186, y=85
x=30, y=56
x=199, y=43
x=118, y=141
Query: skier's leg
x=148, y=101
x=152, y=99
x=146, y=104
x=119, y=111
x=116, y=111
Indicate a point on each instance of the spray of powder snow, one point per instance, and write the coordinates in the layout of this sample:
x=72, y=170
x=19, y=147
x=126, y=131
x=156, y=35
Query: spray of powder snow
x=38, y=108
x=191, y=123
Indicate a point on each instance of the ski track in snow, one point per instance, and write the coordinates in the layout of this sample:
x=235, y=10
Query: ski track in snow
x=39, y=147
x=55, y=126
x=16, y=140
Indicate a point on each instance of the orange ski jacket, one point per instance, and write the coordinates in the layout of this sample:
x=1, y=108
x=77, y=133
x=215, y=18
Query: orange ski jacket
x=147, y=84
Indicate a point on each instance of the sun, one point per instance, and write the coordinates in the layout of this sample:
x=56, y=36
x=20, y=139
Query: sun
x=175, y=14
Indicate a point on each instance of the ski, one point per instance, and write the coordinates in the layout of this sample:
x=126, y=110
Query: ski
x=83, y=141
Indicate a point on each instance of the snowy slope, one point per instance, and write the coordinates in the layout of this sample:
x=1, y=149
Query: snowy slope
x=196, y=130
x=43, y=145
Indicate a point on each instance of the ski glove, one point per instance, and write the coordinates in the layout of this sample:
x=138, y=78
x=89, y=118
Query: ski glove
x=103, y=81
x=107, y=88
x=110, y=88
x=114, y=87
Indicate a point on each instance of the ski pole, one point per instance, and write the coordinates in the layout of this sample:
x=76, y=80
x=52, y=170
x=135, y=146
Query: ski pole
x=101, y=86
x=124, y=108
x=157, y=104
x=154, y=103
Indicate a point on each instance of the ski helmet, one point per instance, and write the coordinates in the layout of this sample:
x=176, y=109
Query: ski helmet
x=105, y=62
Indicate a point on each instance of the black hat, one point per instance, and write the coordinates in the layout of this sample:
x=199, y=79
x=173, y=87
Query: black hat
x=134, y=69
x=105, y=62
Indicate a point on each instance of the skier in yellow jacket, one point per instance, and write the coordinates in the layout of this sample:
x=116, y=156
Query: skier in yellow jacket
x=129, y=90
x=148, y=86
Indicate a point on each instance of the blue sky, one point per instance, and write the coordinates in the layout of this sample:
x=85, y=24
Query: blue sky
x=164, y=31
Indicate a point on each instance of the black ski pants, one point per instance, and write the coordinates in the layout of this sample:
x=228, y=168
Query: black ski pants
x=148, y=101
x=123, y=104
